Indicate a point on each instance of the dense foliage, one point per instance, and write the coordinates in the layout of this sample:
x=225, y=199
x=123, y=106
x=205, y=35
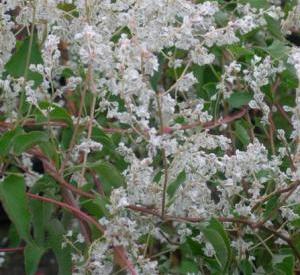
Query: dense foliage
x=151, y=136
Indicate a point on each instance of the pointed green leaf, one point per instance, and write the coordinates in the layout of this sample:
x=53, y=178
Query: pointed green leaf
x=245, y=267
x=63, y=254
x=174, y=185
x=16, y=66
x=6, y=141
x=241, y=133
x=274, y=27
x=14, y=200
x=109, y=176
x=238, y=100
x=32, y=254
x=96, y=207
x=219, y=244
x=40, y=213
x=284, y=264
x=258, y=4
x=216, y=225
x=24, y=142
x=60, y=114
x=277, y=49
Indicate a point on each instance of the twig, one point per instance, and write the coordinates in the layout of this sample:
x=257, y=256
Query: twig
x=167, y=130
x=251, y=224
x=211, y=124
x=92, y=114
x=283, y=113
x=12, y=249
x=70, y=208
x=76, y=128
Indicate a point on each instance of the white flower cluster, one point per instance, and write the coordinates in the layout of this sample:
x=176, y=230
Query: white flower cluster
x=228, y=79
x=6, y=34
x=256, y=78
x=88, y=145
x=137, y=65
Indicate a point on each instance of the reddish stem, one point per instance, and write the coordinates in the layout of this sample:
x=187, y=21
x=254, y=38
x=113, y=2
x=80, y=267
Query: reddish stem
x=12, y=249
x=166, y=130
x=72, y=209
x=210, y=124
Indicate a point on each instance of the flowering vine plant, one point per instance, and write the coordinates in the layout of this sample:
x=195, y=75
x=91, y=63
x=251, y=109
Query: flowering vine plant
x=151, y=137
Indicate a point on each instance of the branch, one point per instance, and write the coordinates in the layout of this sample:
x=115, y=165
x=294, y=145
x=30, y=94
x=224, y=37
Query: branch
x=12, y=249
x=167, y=130
x=77, y=212
x=251, y=224
x=211, y=124
x=280, y=191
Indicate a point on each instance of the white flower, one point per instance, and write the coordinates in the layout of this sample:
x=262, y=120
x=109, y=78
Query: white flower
x=209, y=250
x=186, y=82
x=50, y=52
x=294, y=59
x=201, y=56
x=88, y=145
x=80, y=238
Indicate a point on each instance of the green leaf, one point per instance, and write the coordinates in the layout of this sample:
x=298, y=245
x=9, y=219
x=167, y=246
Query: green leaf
x=55, y=113
x=239, y=51
x=188, y=267
x=16, y=66
x=25, y=141
x=45, y=184
x=13, y=236
x=14, y=200
x=258, y=4
x=284, y=263
x=237, y=100
x=32, y=254
x=289, y=77
x=209, y=89
x=66, y=7
x=96, y=207
x=41, y=214
x=60, y=114
x=50, y=150
x=245, y=267
x=277, y=50
x=174, y=185
x=66, y=137
x=241, y=133
x=109, y=146
x=63, y=254
x=274, y=27
x=195, y=247
x=219, y=239
x=103, y=138
x=109, y=176
x=216, y=225
x=6, y=141
x=218, y=244
x=221, y=18
x=271, y=205
x=157, y=74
